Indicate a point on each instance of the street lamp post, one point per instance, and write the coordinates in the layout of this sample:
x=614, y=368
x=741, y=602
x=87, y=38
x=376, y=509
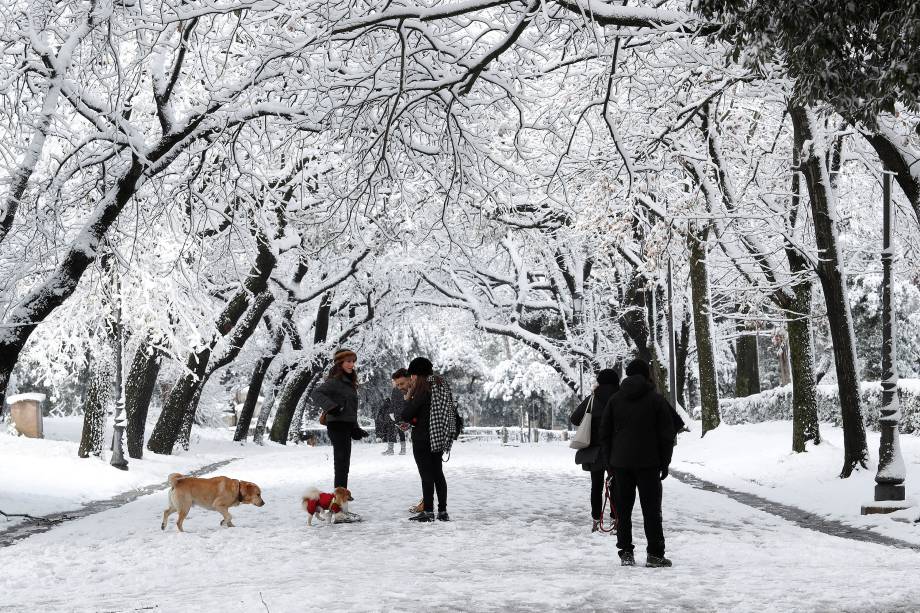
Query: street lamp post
x=889, y=480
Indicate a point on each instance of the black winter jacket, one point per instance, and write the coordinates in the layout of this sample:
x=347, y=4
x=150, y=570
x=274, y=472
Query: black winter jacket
x=591, y=457
x=418, y=408
x=638, y=431
x=339, y=399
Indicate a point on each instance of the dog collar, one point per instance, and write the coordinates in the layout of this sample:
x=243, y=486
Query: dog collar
x=239, y=492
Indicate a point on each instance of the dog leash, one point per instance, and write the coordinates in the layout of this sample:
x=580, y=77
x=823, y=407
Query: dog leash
x=613, y=509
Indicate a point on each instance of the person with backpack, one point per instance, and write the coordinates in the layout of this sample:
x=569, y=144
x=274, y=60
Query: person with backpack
x=637, y=440
x=591, y=458
x=431, y=411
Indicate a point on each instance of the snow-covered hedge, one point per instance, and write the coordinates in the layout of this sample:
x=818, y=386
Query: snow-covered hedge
x=513, y=434
x=776, y=404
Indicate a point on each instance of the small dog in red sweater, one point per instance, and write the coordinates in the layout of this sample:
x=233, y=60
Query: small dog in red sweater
x=334, y=505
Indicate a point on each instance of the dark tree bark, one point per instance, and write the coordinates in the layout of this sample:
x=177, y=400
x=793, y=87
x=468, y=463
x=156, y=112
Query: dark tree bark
x=293, y=389
x=702, y=324
x=799, y=329
x=832, y=275
x=255, y=384
x=747, y=365
x=683, y=348
x=142, y=378
x=896, y=160
x=237, y=321
x=96, y=403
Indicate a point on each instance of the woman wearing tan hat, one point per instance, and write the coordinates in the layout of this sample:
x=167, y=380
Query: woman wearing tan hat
x=337, y=396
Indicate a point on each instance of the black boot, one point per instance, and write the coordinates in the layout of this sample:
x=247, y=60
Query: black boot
x=423, y=516
x=657, y=562
x=627, y=558
x=443, y=516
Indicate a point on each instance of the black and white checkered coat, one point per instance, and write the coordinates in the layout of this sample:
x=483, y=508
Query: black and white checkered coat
x=442, y=423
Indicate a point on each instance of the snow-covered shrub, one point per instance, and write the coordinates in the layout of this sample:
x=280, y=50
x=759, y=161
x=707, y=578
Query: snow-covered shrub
x=776, y=404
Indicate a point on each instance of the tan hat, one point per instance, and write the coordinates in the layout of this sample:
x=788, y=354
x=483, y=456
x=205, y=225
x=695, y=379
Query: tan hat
x=342, y=355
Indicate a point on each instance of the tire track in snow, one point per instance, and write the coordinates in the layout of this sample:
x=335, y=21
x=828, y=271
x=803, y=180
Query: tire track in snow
x=795, y=515
x=51, y=521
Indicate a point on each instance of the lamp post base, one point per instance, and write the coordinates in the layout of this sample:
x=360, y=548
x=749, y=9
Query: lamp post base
x=889, y=497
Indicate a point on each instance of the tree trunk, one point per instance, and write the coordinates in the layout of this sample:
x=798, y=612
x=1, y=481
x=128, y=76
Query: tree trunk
x=804, y=388
x=96, y=405
x=300, y=381
x=139, y=386
x=832, y=275
x=702, y=324
x=171, y=422
x=255, y=384
x=747, y=366
x=683, y=348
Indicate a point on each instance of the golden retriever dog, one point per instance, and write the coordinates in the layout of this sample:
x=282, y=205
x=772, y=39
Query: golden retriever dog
x=333, y=505
x=216, y=493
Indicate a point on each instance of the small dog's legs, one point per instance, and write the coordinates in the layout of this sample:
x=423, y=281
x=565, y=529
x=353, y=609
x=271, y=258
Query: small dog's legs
x=169, y=511
x=228, y=520
x=181, y=520
x=330, y=518
x=309, y=519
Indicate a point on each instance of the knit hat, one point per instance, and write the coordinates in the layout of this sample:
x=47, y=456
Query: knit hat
x=608, y=376
x=342, y=355
x=421, y=367
x=638, y=367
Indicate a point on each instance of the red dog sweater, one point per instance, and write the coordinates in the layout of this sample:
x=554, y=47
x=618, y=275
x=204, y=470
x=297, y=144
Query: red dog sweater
x=325, y=503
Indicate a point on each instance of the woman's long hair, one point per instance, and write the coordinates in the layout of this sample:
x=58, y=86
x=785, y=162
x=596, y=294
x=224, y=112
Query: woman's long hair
x=420, y=387
x=337, y=372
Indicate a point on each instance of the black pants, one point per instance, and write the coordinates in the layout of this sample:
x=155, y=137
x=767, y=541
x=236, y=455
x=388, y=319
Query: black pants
x=431, y=470
x=340, y=437
x=626, y=481
x=392, y=433
x=597, y=494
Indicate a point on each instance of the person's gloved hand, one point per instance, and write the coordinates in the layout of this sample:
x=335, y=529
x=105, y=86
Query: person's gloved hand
x=663, y=474
x=403, y=426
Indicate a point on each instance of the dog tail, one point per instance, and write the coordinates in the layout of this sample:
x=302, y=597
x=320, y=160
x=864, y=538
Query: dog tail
x=173, y=478
x=310, y=494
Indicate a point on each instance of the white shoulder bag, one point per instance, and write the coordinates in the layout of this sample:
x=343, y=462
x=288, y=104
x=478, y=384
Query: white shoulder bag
x=582, y=436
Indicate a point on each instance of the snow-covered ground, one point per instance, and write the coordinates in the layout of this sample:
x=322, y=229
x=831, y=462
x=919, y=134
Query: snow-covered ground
x=520, y=537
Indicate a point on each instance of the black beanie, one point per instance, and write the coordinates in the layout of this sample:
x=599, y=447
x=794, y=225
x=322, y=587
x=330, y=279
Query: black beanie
x=607, y=376
x=421, y=367
x=638, y=367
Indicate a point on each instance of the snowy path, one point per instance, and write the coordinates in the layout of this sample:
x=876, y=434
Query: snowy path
x=519, y=542
x=31, y=526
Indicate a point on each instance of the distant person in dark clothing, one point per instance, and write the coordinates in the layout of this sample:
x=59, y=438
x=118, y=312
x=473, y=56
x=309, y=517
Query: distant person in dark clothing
x=637, y=436
x=591, y=458
x=392, y=411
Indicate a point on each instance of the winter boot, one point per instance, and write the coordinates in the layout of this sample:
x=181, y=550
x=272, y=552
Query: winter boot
x=402, y=448
x=627, y=558
x=389, y=449
x=443, y=516
x=424, y=516
x=657, y=562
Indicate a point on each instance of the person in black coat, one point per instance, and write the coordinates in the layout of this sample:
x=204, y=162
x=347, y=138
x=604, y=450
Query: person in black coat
x=430, y=464
x=637, y=437
x=337, y=396
x=591, y=458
